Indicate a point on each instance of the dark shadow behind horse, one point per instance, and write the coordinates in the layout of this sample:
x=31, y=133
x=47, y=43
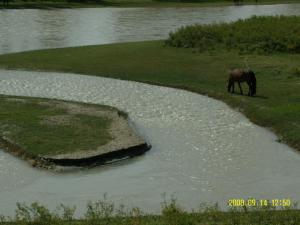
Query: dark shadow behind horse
x=241, y=76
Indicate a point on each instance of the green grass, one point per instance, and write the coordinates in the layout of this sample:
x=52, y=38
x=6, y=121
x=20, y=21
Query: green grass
x=277, y=104
x=105, y=212
x=264, y=34
x=42, y=127
x=49, y=4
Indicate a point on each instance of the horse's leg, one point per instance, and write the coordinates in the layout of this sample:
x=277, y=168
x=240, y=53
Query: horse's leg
x=249, y=91
x=229, y=85
x=240, y=88
x=232, y=87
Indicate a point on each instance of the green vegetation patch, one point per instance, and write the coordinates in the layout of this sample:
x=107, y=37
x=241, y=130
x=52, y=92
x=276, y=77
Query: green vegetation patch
x=50, y=127
x=258, y=34
x=106, y=212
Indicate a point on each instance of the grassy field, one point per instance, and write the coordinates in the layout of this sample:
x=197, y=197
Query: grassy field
x=277, y=104
x=49, y=4
x=49, y=127
x=105, y=212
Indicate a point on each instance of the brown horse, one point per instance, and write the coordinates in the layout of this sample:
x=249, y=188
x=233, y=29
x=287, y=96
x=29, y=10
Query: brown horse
x=240, y=76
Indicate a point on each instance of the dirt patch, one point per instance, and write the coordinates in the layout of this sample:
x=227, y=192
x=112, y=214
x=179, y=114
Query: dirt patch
x=74, y=108
x=16, y=100
x=124, y=137
x=64, y=120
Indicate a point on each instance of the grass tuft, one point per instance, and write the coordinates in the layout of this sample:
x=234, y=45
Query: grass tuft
x=105, y=212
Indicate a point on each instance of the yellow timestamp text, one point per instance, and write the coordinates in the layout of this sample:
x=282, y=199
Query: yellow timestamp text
x=251, y=202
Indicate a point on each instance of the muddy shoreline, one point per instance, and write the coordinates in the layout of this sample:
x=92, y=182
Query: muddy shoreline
x=102, y=159
x=51, y=163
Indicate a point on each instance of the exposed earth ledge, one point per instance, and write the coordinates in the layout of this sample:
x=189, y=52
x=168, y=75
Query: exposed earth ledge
x=121, y=141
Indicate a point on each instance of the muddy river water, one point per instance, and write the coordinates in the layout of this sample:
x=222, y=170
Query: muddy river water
x=203, y=151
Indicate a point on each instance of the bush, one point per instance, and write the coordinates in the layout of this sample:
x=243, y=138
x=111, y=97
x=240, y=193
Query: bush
x=257, y=34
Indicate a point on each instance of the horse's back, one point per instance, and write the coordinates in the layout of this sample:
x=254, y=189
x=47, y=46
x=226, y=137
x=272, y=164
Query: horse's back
x=236, y=74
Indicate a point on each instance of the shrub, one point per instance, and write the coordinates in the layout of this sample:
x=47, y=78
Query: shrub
x=265, y=34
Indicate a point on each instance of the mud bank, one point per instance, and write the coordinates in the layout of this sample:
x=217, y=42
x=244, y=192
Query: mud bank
x=17, y=151
x=97, y=160
x=102, y=159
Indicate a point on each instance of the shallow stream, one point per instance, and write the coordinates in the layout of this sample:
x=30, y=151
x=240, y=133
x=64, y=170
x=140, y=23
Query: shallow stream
x=203, y=151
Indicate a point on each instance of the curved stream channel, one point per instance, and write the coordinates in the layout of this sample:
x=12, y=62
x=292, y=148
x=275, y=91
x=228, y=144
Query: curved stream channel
x=203, y=151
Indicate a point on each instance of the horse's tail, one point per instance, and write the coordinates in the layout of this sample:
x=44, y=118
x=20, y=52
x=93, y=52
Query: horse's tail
x=253, y=82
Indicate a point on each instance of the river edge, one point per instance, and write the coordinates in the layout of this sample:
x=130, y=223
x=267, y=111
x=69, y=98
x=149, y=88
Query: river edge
x=124, y=142
x=60, y=165
x=48, y=5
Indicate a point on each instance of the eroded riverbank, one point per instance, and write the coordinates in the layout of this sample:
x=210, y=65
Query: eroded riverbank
x=202, y=149
x=47, y=133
